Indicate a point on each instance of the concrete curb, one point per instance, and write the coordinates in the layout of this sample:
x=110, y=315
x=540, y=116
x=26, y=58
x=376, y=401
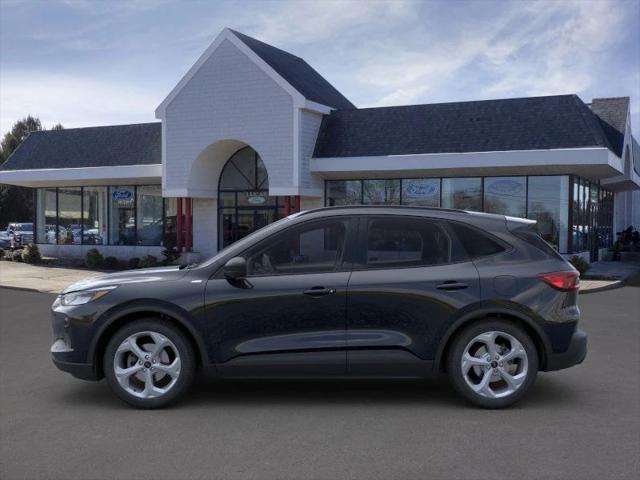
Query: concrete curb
x=612, y=286
x=24, y=289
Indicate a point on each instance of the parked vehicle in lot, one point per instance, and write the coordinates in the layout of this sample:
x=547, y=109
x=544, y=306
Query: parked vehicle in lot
x=19, y=234
x=340, y=291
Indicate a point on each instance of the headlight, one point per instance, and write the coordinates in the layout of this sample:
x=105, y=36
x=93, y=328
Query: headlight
x=85, y=296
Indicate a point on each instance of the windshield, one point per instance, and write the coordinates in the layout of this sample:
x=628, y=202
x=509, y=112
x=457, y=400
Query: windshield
x=22, y=227
x=241, y=244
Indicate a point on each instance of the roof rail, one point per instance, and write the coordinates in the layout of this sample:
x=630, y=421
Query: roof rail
x=398, y=207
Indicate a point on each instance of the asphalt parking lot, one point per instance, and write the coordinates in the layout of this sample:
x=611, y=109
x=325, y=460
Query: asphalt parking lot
x=580, y=423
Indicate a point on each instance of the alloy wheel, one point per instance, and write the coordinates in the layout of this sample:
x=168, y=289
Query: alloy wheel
x=494, y=364
x=147, y=364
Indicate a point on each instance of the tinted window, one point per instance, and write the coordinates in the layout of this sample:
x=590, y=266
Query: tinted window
x=405, y=242
x=533, y=238
x=476, y=243
x=313, y=248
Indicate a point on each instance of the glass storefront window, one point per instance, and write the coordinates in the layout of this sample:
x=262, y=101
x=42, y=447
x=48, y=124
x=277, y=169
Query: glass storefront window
x=381, y=192
x=462, y=193
x=548, y=199
x=506, y=196
x=344, y=192
x=46, y=216
x=69, y=216
x=421, y=191
x=94, y=216
x=122, y=217
x=149, y=215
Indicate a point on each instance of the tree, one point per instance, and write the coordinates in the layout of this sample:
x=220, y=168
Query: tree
x=16, y=203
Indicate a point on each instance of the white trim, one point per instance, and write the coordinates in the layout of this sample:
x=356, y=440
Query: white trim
x=132, y=174
x=316, y=107
x=471, y=160
x=227, y=34
x=297, y=113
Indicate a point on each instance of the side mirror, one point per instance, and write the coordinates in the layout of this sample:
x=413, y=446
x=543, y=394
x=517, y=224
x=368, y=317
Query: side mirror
x=235, y=269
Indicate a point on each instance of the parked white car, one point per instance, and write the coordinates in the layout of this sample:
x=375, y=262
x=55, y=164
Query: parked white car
x=19, y=234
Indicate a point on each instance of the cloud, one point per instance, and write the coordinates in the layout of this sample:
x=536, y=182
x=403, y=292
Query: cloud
x=73, y=101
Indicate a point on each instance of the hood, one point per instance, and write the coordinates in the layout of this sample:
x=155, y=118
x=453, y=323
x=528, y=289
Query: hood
x=145, y=275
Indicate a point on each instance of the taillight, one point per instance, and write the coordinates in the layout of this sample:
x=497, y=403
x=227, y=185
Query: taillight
x=562, y=280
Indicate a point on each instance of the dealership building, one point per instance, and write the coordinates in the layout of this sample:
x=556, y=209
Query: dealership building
x=252, y=133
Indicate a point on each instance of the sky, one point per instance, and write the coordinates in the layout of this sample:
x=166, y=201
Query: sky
x=86, y=63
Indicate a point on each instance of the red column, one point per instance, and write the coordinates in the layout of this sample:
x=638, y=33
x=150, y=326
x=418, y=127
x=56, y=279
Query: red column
x=188, y=241
x=297, y=200
x=287, y=206
x=179, y=225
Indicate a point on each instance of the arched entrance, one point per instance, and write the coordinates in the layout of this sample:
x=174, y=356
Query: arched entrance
x=244, y=204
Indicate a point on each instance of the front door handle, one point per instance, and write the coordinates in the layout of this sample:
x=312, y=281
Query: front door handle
x=452, y=285
x=319, y=291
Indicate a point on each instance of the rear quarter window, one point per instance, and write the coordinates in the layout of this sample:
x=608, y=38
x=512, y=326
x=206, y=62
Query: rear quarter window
x=475, y=242
x=533, y=238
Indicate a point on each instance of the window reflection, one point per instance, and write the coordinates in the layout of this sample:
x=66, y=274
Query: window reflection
x=69, y=216
x=344, y=192
x=548, y=199
x=506, y=196
x=381, y=192
x=149, y=215
x=462, y=193
x=46, y=216
x=94, y=223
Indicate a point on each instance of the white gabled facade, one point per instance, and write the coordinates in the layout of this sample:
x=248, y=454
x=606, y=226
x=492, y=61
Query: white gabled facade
x=231, y=98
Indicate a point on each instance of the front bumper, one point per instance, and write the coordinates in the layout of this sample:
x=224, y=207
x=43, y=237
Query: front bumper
x=574, y=355
x=63, y=358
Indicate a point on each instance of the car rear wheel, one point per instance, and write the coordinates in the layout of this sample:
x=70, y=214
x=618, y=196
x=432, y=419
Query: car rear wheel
x=149, y=363
x=492, y=363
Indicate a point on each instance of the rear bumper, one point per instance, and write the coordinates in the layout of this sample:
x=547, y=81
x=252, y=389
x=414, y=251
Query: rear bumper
x=574, y=355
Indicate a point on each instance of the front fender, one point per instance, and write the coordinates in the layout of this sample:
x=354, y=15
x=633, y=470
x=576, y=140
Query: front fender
x=151, y=307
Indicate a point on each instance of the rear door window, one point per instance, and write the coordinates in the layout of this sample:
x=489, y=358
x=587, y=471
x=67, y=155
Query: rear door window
x=405, y=242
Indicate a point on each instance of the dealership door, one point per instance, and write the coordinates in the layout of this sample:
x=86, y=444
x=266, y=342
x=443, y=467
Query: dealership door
x=244, y=204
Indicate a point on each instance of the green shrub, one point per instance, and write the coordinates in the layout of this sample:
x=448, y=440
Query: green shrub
x=94, y=259
x=148, y=261
x=31, y=254
x=110, y=263
x=579, y=263
x=17, y=256
x=1, y=253
x=134, y=263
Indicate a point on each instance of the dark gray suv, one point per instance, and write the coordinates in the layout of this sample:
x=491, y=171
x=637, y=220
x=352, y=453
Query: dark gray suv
x=340, y=291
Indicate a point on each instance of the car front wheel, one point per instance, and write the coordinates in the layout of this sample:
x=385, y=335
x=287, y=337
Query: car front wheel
x=492, y=363
x=149, y=363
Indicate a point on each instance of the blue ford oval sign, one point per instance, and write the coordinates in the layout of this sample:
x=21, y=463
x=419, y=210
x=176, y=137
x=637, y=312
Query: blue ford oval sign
x=421, y=189
x=122, y=194
x=506, y=187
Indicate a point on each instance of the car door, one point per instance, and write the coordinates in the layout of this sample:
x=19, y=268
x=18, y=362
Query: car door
x=408, y=285
x=290, y=317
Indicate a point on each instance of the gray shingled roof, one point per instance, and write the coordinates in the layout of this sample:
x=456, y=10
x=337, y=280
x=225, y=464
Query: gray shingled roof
x=612, y=113
x=533, y=123
x=298, y=73
x=115, y=145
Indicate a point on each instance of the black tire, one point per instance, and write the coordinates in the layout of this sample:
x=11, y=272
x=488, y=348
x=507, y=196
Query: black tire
x=456, y=351
x=185, y=351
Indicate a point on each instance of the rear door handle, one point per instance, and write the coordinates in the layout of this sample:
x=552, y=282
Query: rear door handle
x=452, y=285
x=319, y=291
